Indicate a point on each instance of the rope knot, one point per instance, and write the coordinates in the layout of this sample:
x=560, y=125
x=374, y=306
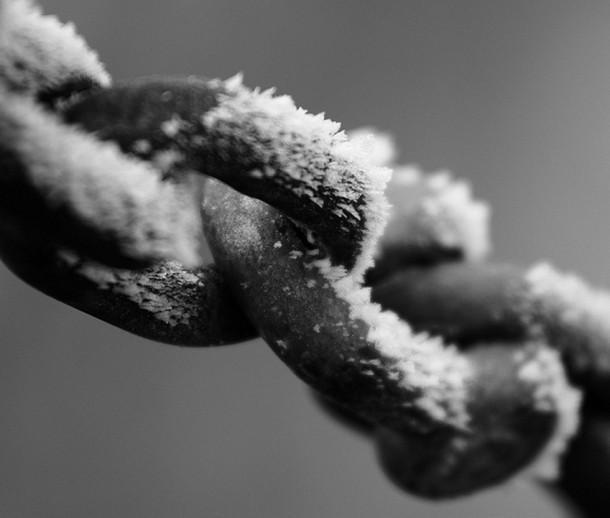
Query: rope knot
x=464, y=370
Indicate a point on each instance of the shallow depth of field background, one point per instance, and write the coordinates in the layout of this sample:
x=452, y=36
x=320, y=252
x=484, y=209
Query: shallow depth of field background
x=514, y=96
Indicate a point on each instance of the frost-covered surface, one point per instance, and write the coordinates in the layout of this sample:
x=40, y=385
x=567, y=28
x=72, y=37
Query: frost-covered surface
x=378, y=148
x=307, y=155
x=443, y=212
x=436, y=210
x=443, y=374
x=567, y=305
x=311, y=156
x=552, y=393
x=165, y=291
x=121, y=197
x=422, y=362
x=425, y=363
x=38, y=51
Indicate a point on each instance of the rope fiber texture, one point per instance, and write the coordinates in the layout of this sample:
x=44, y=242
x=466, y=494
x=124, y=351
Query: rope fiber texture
x=369, y=280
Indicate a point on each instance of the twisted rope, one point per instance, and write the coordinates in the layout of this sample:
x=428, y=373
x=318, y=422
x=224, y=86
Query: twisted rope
x=467, y=371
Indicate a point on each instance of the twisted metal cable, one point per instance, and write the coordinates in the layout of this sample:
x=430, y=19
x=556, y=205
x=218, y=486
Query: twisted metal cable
x=466, y=370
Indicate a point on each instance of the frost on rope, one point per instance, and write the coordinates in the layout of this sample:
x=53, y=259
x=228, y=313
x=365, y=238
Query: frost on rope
x=165, y=290
x=309, y=156
x=431, y=210
x=378, y=148
x=100, y=187
x=426, y=364
x=446, y=213
x=327, y=161
x=38, y=52
x=552, y=393
x=434, y=369
x=566, y=302
x=574, y=317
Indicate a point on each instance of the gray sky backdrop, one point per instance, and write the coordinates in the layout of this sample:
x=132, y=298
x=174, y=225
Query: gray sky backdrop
x=514, y=96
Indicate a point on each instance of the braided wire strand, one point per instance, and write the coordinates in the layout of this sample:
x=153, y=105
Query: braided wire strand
x=455, y=412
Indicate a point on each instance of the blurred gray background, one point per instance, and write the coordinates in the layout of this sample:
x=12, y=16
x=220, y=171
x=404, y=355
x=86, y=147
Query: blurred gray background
x=514, y=96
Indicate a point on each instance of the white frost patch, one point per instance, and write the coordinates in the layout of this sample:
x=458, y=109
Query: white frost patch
x=552, y=393
x=431, y=209
x=574, y=304
x=100, y=185
x=150, y=290
x=423, y=362
x=172, y=127
x=39, y=51
x=377, y=148
x=330, y=162
x=167, y=160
